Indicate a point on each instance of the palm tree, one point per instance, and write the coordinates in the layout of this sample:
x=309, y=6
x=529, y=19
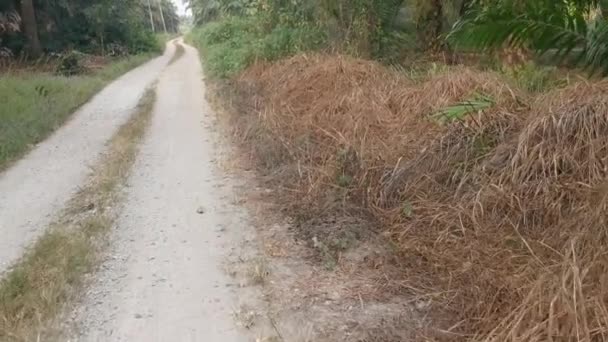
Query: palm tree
x=575, y=31
x=30, y=28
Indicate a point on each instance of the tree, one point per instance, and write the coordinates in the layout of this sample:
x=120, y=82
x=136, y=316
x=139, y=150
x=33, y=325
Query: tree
x=30, y=27
x=92, y=26
x=573, y=31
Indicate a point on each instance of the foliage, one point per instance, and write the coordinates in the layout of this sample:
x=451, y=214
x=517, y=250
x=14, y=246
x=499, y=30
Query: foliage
x=534, y=78
x=92, y=26
x=574, y=31
x=70, y=65
x=205, y=11
x=34, y=105
x=232, y=44
x=462, y=109
x=361, y=27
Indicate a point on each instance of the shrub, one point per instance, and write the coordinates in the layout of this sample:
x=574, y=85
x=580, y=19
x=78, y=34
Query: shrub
x=70, y=64
x=139, y=41
x=532, y=77
x=232, y=44
x=284, y=41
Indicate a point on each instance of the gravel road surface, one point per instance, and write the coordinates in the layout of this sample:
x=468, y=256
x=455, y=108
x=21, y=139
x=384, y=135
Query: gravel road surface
x=37, y=187
x=163, y=280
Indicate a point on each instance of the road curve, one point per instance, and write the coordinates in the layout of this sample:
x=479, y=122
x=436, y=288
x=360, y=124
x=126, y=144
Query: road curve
x=38, y=186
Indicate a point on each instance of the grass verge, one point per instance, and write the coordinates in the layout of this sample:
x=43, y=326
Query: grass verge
x=36, y=289
x=35, y=104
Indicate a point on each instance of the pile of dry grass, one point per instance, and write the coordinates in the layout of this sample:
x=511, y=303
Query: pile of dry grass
x=499, y=218
x=347, y=122
x=514, y=238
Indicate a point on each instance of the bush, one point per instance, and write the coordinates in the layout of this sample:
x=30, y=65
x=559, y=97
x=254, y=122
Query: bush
x=284, y=41
x=70, y=64
x=534, y=78
x=228, y=29
x=232, y=44
x=139, y=41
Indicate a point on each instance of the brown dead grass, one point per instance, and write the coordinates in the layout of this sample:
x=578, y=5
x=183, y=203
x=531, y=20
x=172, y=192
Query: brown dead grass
x=499, y=219
x=35, y=290
x=343, y=118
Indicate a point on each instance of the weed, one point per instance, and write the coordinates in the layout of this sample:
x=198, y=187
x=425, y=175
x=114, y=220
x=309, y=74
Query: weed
x=535, y=78
x=232, y=44
x=34, y=105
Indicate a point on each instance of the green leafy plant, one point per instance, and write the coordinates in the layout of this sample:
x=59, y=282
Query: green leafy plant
x=231, y=44
x=460, y=110
x=533, y=77
x=572, y=31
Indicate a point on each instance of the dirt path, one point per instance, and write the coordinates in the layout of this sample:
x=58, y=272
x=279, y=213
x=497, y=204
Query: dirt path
x=163, y=280
x=38, y=186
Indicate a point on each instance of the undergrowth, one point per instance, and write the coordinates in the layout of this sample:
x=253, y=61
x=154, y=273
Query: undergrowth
x=497, y=213
x=230, y=45
x=490, y=184
x=35, y=104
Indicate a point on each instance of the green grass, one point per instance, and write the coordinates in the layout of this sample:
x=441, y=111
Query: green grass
x=230, y=45
x=35, y=104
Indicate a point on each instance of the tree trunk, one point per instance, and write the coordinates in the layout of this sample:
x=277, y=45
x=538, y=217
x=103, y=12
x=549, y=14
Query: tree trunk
x=151, y=18
x=430, y=26
x=436, y=25
x=162, y=16
x=30, y=28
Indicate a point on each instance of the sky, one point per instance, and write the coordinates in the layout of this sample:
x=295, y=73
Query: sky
x=181, y=8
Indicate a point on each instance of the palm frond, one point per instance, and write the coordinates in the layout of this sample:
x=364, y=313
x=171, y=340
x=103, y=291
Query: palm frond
x=561, y=29
x=460, y=110
x=9, y=21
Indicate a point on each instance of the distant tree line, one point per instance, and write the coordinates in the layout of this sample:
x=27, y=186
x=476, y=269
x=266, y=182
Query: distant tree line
x=34, y=27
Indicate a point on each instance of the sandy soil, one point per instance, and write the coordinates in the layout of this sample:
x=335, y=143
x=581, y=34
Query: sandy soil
x=38, y=186
x=164, y=278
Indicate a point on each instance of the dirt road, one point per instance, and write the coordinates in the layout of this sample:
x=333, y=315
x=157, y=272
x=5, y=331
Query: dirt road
x=163, y=280
x=38, y=186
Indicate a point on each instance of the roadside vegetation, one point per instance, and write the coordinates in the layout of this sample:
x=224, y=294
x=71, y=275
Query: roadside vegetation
x=34, y=104
x=54, y=56
x=37, y=288
x=477, y=152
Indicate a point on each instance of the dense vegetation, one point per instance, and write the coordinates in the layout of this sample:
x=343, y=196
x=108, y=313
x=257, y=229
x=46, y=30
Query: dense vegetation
x=55, y=55
x=100, y=27
x=35, y=104
x=570, y=31
x=476, y=152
